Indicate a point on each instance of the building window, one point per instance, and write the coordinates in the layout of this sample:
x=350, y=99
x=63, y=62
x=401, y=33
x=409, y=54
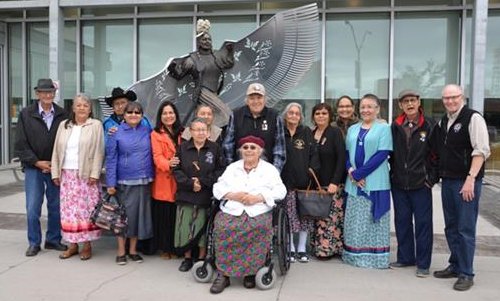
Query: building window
x=15, y=71
x=107, y=56
x=426, y=56
x=38, y=55
x=68, y=82
x=161, y=39
x=357, y=57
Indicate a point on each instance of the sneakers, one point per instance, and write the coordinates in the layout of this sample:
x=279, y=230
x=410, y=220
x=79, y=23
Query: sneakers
x=422, y=273
x=292, y=257
x=463, y=284
x=220, y=283
x=303, y=257
x=121, y=260
x=135, y=258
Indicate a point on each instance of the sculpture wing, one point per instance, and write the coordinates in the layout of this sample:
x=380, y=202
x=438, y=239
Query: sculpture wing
x=277, y=54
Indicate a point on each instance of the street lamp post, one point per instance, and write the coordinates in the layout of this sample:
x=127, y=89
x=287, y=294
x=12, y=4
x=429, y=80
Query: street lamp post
x=357, y=63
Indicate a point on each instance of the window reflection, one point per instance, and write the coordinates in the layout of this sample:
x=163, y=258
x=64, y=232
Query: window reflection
x=154, y=52
x=107, y=56
x=15, y=81
x=38, y=55
x=357, y=61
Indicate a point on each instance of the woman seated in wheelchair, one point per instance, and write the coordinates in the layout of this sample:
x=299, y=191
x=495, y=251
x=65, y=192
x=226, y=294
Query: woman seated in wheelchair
x=243, y=229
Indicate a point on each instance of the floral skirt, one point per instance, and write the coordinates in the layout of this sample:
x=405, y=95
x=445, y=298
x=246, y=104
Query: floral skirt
x=242, y=242
x=78, y=199
x=296, y=223
x=327, y=237
x=366, y=241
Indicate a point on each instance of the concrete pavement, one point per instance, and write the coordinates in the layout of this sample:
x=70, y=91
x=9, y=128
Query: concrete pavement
x=46, y=277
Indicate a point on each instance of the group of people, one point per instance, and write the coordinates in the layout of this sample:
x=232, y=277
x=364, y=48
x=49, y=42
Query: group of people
x=165, y=176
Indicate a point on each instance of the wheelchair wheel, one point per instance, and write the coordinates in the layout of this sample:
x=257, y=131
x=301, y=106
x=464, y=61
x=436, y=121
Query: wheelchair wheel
x=283, y=242
x=202, y=272
x=265, y=279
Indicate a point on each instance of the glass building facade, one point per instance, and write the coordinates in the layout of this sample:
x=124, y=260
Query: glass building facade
x=367, y=46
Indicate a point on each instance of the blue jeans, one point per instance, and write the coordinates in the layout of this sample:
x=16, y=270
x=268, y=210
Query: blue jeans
x=36, y=185
x=408, y=205
x=460, y=219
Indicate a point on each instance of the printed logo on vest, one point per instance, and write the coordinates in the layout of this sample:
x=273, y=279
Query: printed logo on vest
x=457, y=127
x=264, y=125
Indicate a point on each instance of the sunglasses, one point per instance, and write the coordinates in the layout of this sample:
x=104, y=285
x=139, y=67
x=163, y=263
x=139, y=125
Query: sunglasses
x=134, y=112
x=252, y=147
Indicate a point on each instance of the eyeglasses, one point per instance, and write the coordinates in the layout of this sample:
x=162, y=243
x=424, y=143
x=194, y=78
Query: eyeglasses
x=320, y=113
x=409, y=100
x=453, y=97
x=291, y=113
x=251, y=147
x=134, y=112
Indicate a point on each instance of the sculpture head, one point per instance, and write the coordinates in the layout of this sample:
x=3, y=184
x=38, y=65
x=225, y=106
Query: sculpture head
x=204, y=41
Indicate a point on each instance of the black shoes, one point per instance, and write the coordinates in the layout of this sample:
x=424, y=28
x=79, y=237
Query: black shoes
x=220, y=283
x=249, y=281
x=121, y=260
x=55, y=246
x=32, y=251
x=186, y=265
x=397, y=265
x=135, y=258
x=463, y=284
x=446, y=273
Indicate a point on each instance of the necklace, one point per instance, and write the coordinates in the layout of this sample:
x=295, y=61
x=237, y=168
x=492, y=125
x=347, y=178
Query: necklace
x=362, y=137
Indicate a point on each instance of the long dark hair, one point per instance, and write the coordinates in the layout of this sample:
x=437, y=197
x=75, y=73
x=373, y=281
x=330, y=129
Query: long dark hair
x=176, y=127
x=72, y=117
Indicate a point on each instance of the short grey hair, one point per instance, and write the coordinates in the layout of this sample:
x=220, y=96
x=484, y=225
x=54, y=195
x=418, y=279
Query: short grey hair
x=289, y=106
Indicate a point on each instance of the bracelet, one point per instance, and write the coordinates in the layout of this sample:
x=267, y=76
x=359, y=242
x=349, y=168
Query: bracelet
x=470, y=175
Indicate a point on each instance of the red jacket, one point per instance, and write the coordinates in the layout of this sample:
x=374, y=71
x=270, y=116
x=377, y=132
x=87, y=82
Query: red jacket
x=164, y=185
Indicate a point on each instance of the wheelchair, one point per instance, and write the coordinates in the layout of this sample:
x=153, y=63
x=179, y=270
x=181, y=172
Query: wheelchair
x=278, y=254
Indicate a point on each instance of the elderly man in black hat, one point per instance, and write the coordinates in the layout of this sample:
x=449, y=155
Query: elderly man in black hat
x=118, y=101
x=36, y=132
x=413, y=173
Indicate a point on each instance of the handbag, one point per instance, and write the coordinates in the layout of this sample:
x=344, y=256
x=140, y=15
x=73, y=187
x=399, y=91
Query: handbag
x=314, y=203
x=109, y=214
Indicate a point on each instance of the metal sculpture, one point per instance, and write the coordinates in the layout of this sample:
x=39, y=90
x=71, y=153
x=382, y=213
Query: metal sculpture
x=277, y=54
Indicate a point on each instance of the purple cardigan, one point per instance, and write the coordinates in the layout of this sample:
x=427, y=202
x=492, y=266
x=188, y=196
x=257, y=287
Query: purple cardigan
x=128, y=154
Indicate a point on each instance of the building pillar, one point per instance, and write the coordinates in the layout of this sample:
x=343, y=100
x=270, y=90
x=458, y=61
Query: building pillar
x=478, y=60
x=56, y=46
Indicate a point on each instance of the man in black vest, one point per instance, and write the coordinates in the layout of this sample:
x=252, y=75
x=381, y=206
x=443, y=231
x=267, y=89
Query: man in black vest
x=258, y=120
x=36, y=132
x=463, y=146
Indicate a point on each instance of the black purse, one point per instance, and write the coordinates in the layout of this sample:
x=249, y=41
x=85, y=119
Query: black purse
x=314, y=203
x=109, y=214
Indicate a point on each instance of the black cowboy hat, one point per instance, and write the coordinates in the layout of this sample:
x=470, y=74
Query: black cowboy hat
x=120, y=93
x=45, y=85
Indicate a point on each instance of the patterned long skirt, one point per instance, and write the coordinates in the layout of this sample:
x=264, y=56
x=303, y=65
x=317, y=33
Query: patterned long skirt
x=296, y=223
x=366, y=242
x=190, y=220
x=242, y=242
x=78, y=199
x=327, y=237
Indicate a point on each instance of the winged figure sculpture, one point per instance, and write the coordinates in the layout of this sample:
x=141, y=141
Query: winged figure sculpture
x=277, y=54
